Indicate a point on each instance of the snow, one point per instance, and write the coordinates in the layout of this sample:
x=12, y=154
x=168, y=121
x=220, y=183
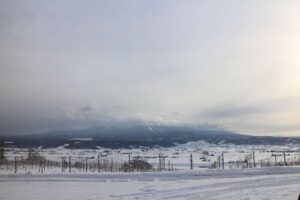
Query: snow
x=233, y=183
x=275, y=183
x=204, y=154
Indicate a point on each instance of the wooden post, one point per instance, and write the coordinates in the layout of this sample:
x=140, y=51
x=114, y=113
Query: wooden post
x=86, y=164
x=16, y=167
x=275, y=155
x=191, y=161
x=69, y=163
x=169, y=165
x=41, y=167
x=137, y=163
x=65, y=163
x=82, y=164
x=284, y=159
x=223, y=164
x=98, y=164
x=62, y=164
x=253, y=156
x=111, y=164
x=128, y=163
x=159, y=163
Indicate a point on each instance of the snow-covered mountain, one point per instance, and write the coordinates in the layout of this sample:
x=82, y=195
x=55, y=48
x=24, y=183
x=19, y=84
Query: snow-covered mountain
x=128, y=135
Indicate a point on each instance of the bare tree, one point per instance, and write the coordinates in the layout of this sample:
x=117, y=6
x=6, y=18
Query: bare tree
x=34, y=157
x=248, y=159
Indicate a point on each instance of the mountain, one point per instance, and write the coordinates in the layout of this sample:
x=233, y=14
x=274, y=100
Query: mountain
x=132, y=135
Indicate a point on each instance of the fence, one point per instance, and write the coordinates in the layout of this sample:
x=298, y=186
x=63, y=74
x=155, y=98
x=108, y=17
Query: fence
x=99, y=164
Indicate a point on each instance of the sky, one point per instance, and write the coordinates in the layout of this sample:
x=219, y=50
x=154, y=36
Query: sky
x=74, y=64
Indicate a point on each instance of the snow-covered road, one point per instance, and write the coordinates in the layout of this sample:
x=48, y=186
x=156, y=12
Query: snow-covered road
x=251, y=184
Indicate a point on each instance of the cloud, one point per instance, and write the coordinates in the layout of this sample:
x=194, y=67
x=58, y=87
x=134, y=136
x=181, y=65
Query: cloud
x=230, y=111
x=86, y=109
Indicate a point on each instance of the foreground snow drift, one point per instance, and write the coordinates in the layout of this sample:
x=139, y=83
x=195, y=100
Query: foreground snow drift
x=252, y=184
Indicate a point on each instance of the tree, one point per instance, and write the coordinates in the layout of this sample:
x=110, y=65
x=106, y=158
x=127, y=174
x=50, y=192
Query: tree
x=34, y=157
x=248, y=159
x=214, y=165
x=140, y=165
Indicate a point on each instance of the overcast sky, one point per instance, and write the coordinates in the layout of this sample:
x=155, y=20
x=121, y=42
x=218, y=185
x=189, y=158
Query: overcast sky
x=74, y=64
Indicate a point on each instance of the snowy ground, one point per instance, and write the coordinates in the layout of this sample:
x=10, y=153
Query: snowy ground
x=248, y=184
x=204, y=154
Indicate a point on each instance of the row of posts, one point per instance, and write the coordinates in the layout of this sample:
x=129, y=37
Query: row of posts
x=162, y=163
x=66, y=163
x=132, y=164
x=222, y=163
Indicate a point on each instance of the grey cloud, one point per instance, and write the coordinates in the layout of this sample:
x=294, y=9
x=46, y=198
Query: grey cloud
x=262, y=128
x=86, y=109
x=29, y=126
x=258, y=107
x=229, y=111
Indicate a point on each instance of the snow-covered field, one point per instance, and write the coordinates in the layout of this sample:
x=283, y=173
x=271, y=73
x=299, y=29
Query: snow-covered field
x=231, y=183
x=282, y=183
x=204, y=154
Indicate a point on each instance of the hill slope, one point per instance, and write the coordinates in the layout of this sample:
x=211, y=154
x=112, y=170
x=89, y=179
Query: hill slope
x=125, y=136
